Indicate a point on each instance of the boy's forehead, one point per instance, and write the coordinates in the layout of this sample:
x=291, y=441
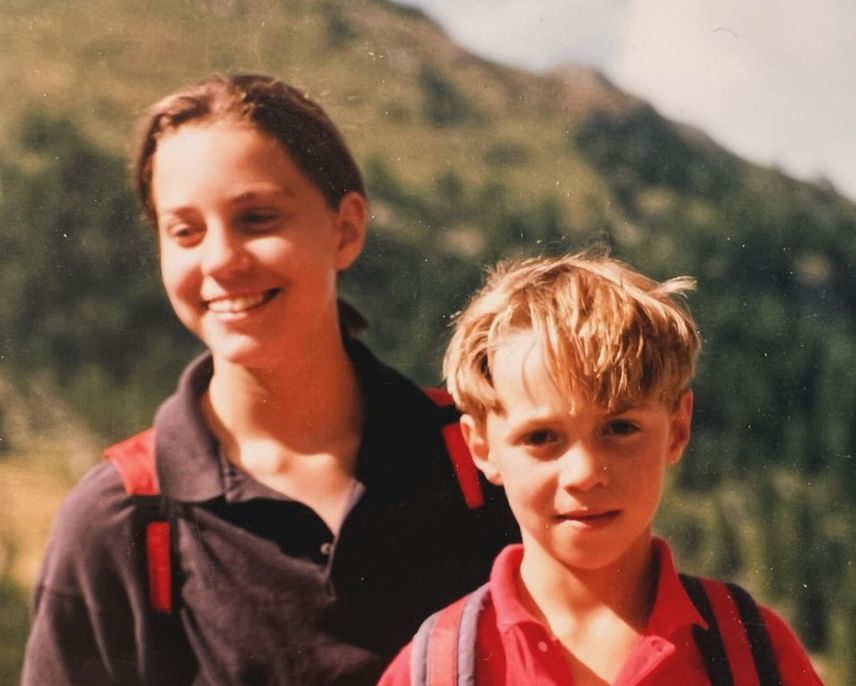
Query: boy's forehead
x=521, y=367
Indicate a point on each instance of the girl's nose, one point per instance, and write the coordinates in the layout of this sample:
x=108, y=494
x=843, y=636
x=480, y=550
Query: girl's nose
x=223, y=251
x=582, y=468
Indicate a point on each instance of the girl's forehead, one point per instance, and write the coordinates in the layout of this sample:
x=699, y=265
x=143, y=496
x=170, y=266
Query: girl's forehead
x=204, y=163
x=219, y=143
x=221, y=128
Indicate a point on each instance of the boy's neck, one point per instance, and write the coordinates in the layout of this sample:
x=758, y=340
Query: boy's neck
x=568, y=601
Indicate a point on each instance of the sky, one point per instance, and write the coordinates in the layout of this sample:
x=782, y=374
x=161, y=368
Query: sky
x=772, y=80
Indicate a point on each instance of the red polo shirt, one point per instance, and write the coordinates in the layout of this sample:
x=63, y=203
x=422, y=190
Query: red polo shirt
x=515, y=648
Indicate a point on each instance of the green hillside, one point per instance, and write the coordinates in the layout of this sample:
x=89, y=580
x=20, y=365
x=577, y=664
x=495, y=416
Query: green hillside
x=466, y=162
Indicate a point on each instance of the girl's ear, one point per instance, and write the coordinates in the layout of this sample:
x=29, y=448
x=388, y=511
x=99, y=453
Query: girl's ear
x=351, y=224
x=475, y=436
x=679, y=428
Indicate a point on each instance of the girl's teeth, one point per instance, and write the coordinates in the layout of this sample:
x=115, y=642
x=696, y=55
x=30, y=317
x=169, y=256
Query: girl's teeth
x=236, y=304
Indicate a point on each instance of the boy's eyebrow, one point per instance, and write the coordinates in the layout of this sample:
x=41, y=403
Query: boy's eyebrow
x=627, y=406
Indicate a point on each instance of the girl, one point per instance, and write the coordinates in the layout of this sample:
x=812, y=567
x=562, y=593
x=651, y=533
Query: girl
x=313, y=516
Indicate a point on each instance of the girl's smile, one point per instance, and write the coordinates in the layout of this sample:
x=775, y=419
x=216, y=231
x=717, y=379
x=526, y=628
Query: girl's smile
x=249, y=247
x=233, y=306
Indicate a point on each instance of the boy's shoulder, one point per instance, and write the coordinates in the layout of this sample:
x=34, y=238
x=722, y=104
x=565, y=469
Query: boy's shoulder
x=725, y=627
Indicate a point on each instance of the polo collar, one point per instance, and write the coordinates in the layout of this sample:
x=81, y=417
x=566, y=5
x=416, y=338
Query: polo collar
x=188, y=463
x=510, y=611
x=186, y=452
x=672, y=609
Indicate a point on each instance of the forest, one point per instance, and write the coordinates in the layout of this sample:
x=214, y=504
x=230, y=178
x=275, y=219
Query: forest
x=466, y=162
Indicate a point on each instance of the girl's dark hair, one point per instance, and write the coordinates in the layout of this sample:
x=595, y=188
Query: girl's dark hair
x=275, y=109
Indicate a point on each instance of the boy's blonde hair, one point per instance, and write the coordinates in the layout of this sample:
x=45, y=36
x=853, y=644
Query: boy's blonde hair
x=611, y=336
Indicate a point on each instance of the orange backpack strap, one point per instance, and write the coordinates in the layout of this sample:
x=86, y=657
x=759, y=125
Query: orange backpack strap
x=736, y=647
x=134, y=459
x=444, y=648
x=465, y=469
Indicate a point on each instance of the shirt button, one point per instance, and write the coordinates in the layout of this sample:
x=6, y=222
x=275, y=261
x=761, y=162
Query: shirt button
x=326, y=548
x=542, y=646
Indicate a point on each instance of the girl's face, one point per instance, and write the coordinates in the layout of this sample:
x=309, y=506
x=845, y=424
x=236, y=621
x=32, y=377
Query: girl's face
x=249, y=249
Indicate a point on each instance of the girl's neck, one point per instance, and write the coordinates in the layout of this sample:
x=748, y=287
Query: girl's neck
x=303, y=400
x=294, y=426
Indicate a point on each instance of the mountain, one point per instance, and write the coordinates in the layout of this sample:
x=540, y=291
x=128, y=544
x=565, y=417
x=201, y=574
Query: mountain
x=466, y=162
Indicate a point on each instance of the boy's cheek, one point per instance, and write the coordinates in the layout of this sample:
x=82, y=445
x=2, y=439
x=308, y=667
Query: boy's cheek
x=491, y=473
x=476, y=437
x=680, y=428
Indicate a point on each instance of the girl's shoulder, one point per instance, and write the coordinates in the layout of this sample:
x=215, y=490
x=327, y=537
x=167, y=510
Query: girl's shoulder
x=92, y=532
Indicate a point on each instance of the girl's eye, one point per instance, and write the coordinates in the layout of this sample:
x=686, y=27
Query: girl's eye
x=620, y=427
x=184, y=234
x=260, y=220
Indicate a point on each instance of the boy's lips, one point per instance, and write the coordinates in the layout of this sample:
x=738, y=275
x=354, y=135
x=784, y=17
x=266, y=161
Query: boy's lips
x=589, y=518
x=239, y=303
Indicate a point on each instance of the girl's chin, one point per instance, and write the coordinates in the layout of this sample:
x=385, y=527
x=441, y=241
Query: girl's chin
x=247, y=353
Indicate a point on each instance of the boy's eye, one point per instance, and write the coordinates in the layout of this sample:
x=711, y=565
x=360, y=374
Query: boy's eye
x=620, y=427
x=540, y=437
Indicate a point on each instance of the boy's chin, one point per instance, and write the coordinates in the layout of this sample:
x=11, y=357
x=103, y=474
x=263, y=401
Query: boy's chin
x=593, y=557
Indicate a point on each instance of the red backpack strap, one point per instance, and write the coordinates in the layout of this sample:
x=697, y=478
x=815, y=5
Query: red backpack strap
x=465, y=469
x=159, y=565
x=736, y=647
x=134, y=459
x=444, y=649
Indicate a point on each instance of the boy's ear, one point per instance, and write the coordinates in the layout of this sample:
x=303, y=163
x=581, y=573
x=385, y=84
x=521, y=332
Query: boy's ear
x=351, y=223
x=680, y=427
x=475, y=436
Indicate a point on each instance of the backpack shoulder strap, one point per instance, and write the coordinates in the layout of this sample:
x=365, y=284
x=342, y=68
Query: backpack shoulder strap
x=709, y=642
x=757, y=635
x=134, y=459
x=732, y=613
x=443, y=652
x=465, y=469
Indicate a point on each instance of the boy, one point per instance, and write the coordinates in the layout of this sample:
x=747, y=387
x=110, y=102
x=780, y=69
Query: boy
x=573, y=376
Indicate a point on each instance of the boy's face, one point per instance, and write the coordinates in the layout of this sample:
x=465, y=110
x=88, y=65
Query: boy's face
x=583, y=484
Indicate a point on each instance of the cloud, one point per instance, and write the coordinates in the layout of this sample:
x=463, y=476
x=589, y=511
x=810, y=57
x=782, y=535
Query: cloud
x=772, y=80
x=535, y=34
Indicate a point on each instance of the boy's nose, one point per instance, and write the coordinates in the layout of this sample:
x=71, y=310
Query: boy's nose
x=582, y=469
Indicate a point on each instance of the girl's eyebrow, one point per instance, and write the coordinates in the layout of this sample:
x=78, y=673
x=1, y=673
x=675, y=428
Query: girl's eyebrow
x=261, y=192
x=238, y=199
x=177, y=211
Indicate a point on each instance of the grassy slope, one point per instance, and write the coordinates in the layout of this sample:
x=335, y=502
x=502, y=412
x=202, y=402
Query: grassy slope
x=102, y=61
x=32, y=485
